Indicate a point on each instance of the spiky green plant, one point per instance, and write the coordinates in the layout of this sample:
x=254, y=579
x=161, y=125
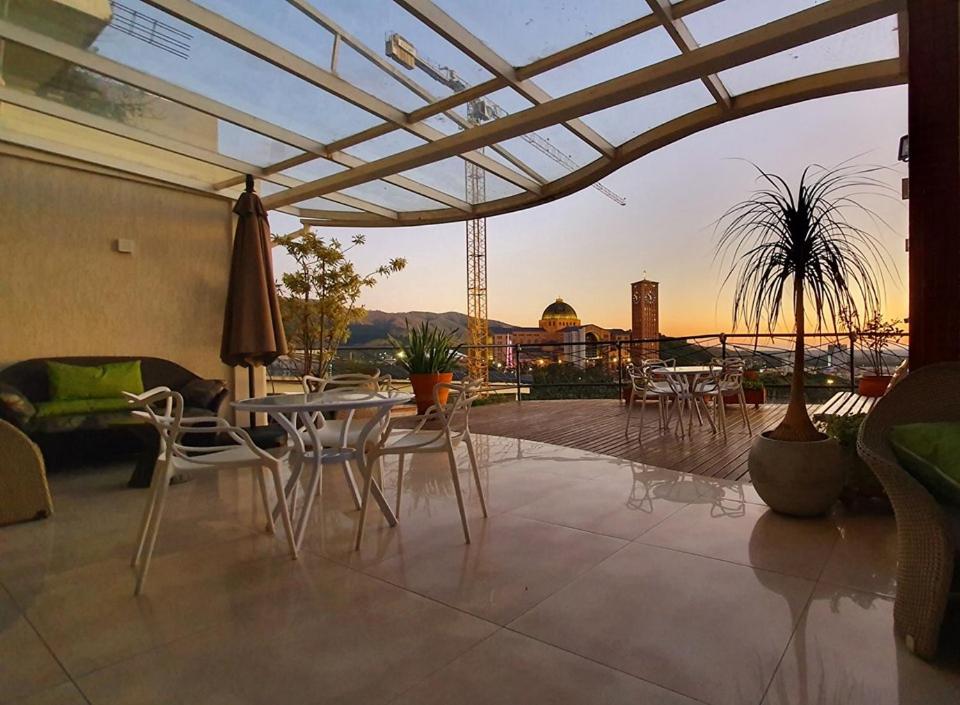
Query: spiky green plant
x=801, y=244
x=427, y=349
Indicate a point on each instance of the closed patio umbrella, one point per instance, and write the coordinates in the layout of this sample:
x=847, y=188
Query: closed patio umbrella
x=252, y=326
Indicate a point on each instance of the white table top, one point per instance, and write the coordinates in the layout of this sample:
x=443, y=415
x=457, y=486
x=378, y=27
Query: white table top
x=693, y=369
x=322, y=401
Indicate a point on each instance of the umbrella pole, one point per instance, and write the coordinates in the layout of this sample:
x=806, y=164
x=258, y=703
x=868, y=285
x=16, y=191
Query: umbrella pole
x=250, y=392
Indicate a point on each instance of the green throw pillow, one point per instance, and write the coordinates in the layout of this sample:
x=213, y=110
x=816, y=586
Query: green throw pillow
x=70, y=407
x=109, y=380
x=931, y=453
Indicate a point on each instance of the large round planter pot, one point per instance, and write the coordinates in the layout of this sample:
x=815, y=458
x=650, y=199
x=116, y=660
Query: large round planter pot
x=423, y=384
x=873, y=385
x=802, y=478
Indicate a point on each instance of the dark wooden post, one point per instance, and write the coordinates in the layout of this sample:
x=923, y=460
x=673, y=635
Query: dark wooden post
x=934, y=126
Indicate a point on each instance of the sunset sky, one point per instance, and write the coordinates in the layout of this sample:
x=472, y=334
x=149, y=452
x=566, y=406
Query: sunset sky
x=588, y=249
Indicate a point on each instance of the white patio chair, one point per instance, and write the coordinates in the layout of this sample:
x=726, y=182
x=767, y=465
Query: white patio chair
x=440, y=429
x=339, y=435
x=646, y=382
x=727, y=381
x=233, y=450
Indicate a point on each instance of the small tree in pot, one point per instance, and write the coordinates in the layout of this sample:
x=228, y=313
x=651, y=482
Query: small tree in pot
x=430, y=355
x=873, y=337
x=800, y=245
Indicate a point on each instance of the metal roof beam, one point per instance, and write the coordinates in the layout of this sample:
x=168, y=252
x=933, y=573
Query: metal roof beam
x=685, y=41
x=805, y=26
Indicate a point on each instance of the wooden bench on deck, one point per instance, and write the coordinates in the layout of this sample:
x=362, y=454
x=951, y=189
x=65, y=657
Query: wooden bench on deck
x=845, y=404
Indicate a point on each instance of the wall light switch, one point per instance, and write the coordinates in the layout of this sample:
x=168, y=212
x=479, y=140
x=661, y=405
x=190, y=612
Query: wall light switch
x=124, y=245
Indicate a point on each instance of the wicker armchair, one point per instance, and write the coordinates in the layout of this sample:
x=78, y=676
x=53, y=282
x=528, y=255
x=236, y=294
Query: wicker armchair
x=24, y=494
x=926, y=532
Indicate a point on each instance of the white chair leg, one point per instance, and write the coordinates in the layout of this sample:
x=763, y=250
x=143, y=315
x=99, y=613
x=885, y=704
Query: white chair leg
x=284, y=512
x=399, y=484
x=456, y=488
x=743, y=410
x=643, y=406
x=722, y=414
x=351, y=483
x=258, y=471
x=364, y=502
x=476, y=473
x=153, y=528
x=158, y=472
x=629, y=411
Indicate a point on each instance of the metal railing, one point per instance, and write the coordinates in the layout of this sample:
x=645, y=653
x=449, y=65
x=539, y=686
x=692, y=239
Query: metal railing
x=597, y=368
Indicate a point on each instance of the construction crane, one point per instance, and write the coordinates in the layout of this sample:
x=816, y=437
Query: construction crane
x=478, y=111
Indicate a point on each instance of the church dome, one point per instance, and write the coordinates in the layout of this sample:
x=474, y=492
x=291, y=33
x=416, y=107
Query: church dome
x=559, y=311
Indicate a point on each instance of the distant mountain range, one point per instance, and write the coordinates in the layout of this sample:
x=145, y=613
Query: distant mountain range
x=378, y=324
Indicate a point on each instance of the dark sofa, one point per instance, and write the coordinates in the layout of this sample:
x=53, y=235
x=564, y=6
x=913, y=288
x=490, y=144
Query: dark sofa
x=63, y=435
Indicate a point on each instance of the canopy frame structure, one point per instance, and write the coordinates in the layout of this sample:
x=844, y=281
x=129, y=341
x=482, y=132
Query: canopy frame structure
x=486, y=144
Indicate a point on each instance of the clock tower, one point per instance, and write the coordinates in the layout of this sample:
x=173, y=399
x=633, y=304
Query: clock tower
x=645, y=318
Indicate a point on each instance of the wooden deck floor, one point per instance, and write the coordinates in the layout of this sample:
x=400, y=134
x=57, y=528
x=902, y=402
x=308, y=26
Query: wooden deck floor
x=598, y=425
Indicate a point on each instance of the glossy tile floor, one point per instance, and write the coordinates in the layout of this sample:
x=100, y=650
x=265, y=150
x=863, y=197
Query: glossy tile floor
x=594, y=580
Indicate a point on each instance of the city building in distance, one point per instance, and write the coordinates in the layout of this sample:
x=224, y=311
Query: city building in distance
x=563, y=337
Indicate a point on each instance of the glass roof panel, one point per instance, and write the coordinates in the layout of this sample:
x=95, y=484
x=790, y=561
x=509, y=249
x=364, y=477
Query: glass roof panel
x=286, y=26
x=447, y=175
x=870, y=42
x=251, y=147
x=624, y=122
x=220, y=71
x=522, y=32
x=313, y=170
x=393, y=197
x=494, y=105
x=74, y=87
x=642, y=50
x=443, y=124
x=385, y=145
x=499, y=188
x=371, y=21
x=534, y=149
x=319, y=203
x=731, y=17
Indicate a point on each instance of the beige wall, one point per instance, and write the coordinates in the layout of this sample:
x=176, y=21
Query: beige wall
x=65, y=290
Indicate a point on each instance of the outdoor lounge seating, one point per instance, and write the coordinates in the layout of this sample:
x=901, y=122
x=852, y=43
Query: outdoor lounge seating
x=107, y=425
x=23, y=478
x=928, y=532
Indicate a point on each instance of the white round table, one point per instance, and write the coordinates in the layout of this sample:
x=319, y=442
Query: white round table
x=287, y=409
x=691, y=374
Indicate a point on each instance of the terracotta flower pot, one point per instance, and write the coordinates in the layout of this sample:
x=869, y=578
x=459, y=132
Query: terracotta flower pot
x=423, y=384
x=750, y=396
x=873, y=385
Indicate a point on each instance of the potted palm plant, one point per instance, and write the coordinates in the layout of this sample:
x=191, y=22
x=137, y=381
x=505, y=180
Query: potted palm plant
x=799, y=247
x=429, y=354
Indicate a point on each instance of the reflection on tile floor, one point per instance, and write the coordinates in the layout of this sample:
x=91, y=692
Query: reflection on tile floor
x=593, y=580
